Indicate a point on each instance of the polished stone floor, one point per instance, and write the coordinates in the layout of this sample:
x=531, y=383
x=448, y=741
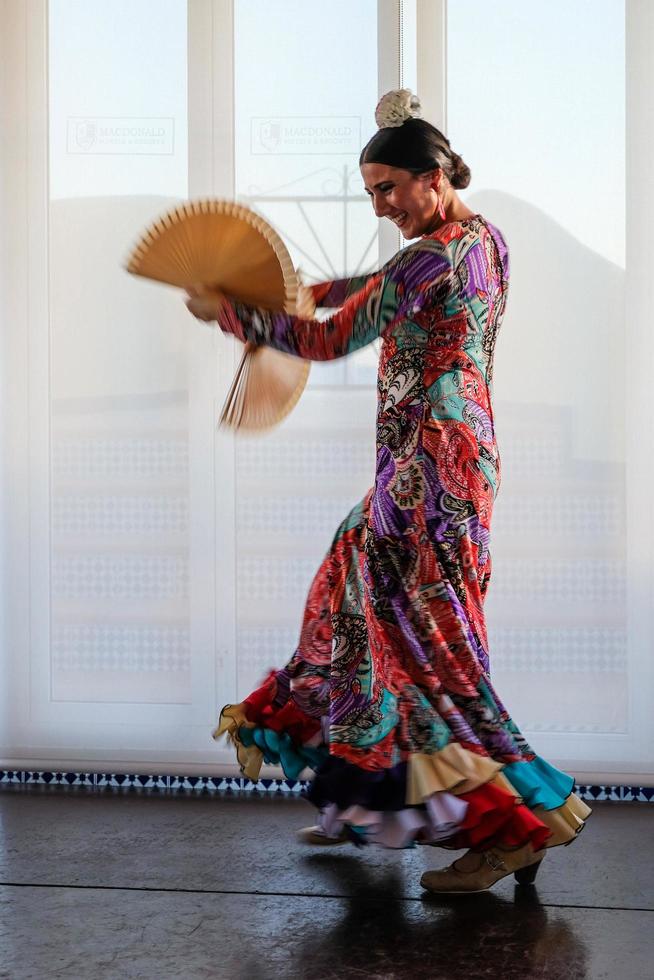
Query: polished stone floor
x=137, y=885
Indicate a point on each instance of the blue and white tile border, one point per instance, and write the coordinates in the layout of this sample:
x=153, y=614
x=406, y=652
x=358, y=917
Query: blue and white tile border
x=211, y=784
x=133, y=781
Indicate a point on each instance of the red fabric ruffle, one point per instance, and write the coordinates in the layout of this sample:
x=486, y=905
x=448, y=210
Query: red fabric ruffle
x=495, y=816
x=261, y=710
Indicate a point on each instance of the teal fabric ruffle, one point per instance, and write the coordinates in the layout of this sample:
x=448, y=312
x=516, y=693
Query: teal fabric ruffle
x=279, y=750
x=539, y=783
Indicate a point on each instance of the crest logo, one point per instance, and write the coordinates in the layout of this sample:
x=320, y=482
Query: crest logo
x=84, y=134
x=270, y=135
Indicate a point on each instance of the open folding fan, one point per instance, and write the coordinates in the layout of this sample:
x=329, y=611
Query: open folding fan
x=228, y=247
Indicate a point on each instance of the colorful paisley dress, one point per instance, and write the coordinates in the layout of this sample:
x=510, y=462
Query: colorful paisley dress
x=388, y=695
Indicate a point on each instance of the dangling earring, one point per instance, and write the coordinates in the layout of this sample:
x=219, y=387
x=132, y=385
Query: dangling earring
x=441, y=209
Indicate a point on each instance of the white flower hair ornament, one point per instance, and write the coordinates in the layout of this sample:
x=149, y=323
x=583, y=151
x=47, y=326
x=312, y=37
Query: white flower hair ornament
x=396, y=107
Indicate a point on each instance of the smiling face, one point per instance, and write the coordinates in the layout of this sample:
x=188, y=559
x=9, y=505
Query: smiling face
x=410, y=201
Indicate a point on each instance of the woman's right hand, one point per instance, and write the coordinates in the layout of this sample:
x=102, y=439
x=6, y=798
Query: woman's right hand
x=204, y=303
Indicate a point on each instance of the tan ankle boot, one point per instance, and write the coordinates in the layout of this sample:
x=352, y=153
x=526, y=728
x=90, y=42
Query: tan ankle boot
x=477, y=871
x=318, y=838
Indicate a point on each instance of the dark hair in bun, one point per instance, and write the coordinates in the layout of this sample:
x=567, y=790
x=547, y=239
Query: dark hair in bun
x=417, y=146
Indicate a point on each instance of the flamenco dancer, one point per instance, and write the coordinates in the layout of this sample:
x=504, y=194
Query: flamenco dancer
x=388, y=695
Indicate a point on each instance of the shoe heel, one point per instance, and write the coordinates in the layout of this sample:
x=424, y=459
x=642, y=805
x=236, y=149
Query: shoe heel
x=526, y=876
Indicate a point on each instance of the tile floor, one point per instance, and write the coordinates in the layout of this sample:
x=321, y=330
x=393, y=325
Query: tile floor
x=137, y=884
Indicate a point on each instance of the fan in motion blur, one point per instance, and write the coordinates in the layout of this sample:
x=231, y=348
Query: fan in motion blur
x=228, y=247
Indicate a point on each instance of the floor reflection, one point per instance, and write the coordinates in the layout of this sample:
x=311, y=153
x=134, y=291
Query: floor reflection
x=384, y=936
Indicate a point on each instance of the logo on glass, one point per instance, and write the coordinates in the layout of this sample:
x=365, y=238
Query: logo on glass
x=305, y=135
x=114, y=135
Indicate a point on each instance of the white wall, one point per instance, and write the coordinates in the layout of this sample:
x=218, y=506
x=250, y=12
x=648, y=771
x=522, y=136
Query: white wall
x=144, y=584
x=14, y=500
x=4, y=126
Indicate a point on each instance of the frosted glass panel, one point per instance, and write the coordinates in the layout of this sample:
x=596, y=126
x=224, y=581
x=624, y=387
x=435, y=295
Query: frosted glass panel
x=120, y=511
x=550, y=127
x=300, y=128
x=536, y=99
x=118, y=97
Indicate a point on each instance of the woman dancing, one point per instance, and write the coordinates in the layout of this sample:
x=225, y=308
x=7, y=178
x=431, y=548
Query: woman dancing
x=388, y=696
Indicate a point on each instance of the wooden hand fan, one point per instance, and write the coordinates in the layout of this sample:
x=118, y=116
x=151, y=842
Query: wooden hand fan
x=227, y=246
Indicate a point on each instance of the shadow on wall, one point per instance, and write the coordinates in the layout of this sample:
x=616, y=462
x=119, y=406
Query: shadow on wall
x=562, y=343
x=563, y=339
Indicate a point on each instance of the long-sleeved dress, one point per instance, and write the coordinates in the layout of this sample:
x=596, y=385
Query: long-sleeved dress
x=388, y=695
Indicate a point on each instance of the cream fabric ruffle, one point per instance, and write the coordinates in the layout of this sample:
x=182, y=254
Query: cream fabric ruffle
x=453, y=769
x=250, y=758
x=566, y=821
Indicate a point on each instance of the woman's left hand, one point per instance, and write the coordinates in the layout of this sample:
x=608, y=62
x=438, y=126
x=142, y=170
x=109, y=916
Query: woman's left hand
x=204, y=302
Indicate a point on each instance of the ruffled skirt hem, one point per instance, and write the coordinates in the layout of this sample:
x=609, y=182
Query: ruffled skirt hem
x=454, y=822
x=452, y=798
